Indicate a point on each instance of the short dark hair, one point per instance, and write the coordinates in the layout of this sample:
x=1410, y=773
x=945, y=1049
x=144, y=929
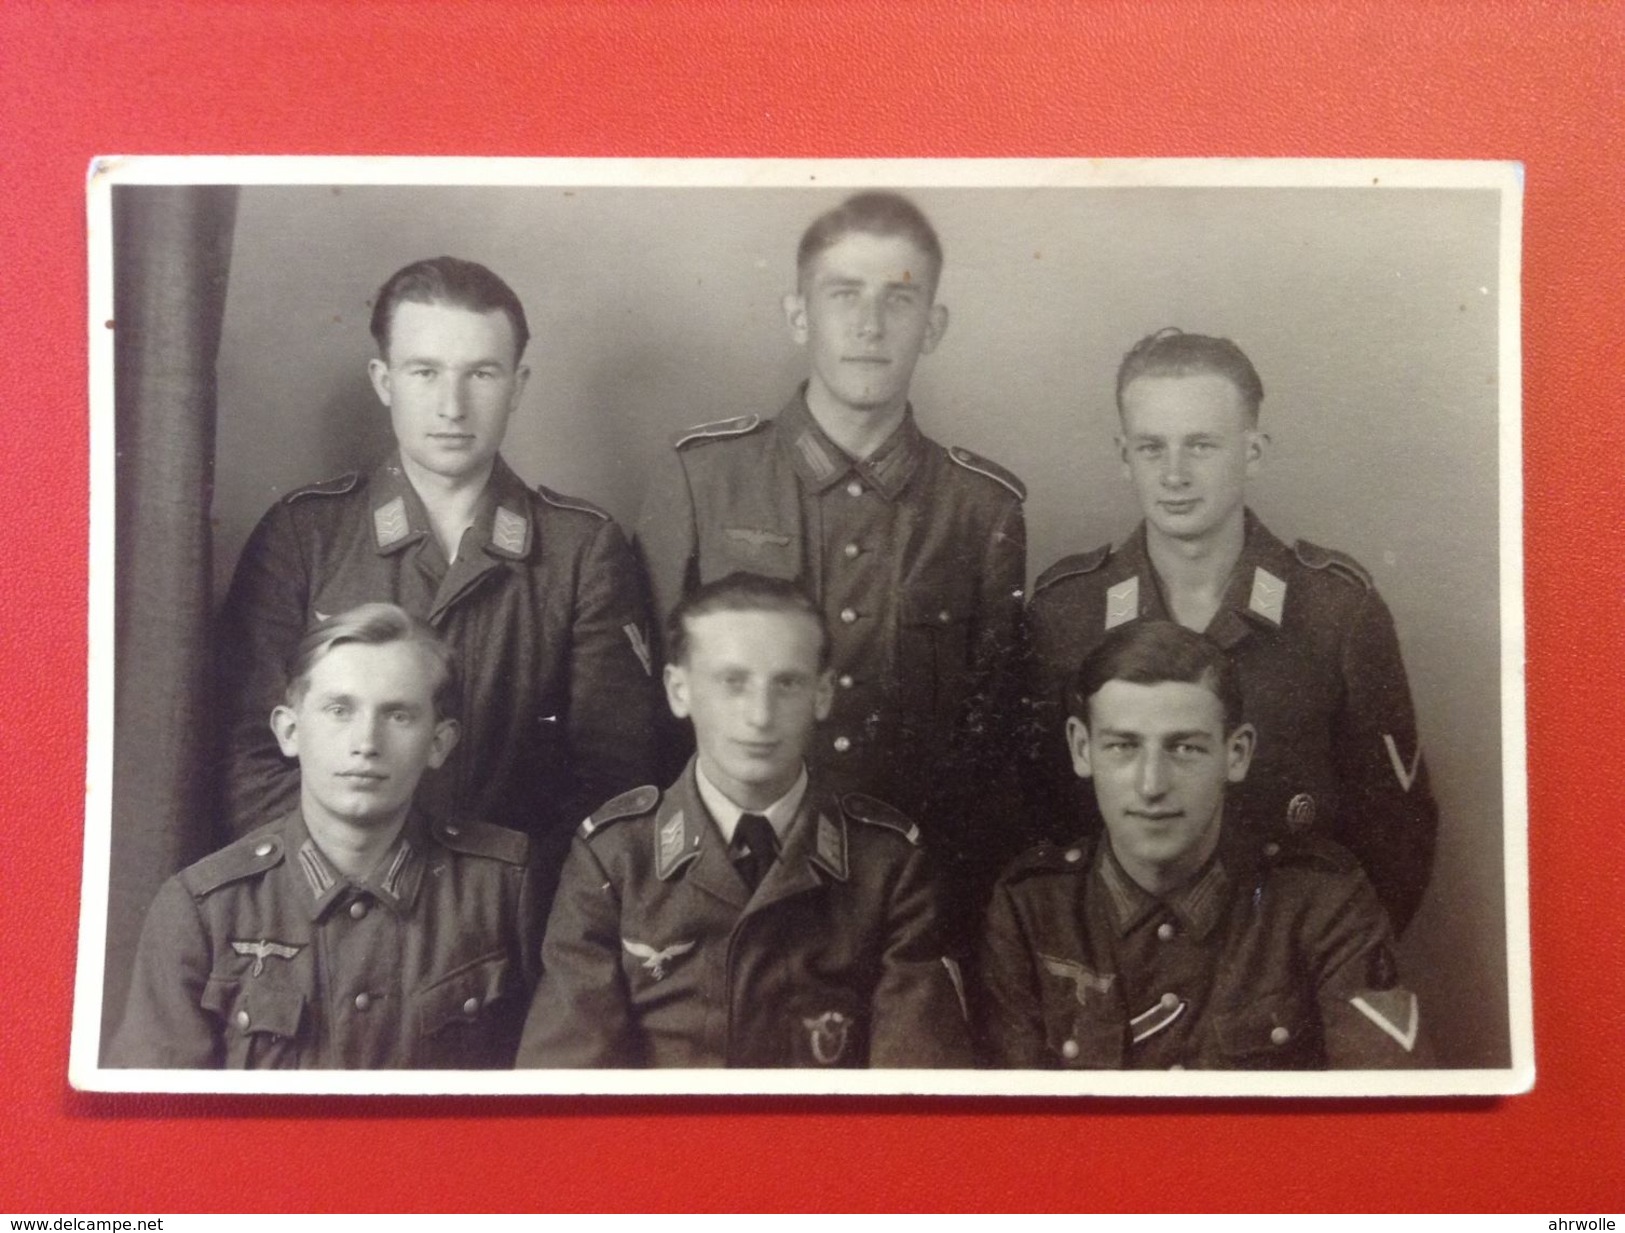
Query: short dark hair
x=1150, y=653
x=376, y=625
x=743, y=592
x=872, y=213
x=453, y=281
x=1173, y=353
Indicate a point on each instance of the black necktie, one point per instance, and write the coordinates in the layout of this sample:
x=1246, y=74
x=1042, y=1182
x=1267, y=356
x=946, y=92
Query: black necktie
x=753, y=838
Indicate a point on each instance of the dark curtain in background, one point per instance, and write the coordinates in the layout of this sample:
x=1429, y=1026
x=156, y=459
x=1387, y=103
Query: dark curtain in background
x=171, y=255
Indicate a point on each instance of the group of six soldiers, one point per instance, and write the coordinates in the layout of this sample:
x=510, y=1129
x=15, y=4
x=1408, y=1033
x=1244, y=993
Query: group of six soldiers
x=865, y=307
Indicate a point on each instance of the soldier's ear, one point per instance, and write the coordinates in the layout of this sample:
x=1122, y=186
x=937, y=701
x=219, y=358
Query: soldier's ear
x=521, y=375
x=676, y=682
x=378, y=372
x=285, y=727
x=1077, y=744
x=795, y=316
x=824, y=700
x=1238, y=752
x=1258, y=443
x=1120, y=440
x=936, y=325
x=447, y=732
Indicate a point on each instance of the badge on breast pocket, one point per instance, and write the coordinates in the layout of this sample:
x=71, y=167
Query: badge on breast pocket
x=829, y=1037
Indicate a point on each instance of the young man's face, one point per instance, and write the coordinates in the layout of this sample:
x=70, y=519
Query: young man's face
x=365, y=731
x=865, y=312
x=451, y=380
x=752, y=685
x=1188, y=447
x=1160, y=760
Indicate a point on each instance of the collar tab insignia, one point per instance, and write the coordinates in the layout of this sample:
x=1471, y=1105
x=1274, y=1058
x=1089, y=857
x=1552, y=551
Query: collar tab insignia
x=1269, y=595
x=510, y=532
x=1123, y=602
x=390, y=524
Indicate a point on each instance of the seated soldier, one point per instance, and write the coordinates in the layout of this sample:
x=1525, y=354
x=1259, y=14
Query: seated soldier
x=354, y=931
x=746, y=916
x=1181, y=938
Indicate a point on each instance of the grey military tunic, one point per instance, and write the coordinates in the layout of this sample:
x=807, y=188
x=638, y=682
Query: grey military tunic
x=1276, y=956
x=262, y=956
x=658, y=954
x=917, y=556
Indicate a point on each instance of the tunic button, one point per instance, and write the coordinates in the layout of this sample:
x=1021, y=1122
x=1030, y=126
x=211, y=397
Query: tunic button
x=855, y=488
x=242, y=1019
x=1074, y=855
x=851, y=550
x=1166, y=931
x=943, y=617
x=362, y=1001
x=472, y=1006
x=1170, y=1000
x=848, y=615
x=1176, y=1066
x=845, y=680
x=358, y=909
x=842, y=744
x=1272, y=849
x=1279, y=1035
x=454, y=831
x=263, y=849
x=1069, y=1050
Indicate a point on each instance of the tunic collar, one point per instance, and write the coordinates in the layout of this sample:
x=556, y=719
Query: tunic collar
x=502, y=522
x=1254, y=596
x=821, y=463
x=685, y=835
x=1197, y=905
x=393, y=882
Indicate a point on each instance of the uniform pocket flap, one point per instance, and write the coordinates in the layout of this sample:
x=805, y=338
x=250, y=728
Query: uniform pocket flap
x=1273, y=1025
x=254, y=1005
x=462, y=996
x=937, y=605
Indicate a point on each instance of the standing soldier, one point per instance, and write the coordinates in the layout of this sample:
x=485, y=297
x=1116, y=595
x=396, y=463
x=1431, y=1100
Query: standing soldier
x=537, y=593
x=1338, y=753
x=915, y=553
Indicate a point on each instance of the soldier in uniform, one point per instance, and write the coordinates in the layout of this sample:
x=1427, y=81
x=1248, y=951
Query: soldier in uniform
x=538, y=592
x=748, y=916
x=1338, y=753
x=1181, y=939
x=358, y=930
x=915, y=553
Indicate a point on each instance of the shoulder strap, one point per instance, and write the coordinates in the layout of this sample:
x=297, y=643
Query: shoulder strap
x=1339, y=563
x=335, y=487
x=992, y=470
x=484, y=839
x=1071, y=567
x=634, y=804
x=559, y=501
x=738, y=426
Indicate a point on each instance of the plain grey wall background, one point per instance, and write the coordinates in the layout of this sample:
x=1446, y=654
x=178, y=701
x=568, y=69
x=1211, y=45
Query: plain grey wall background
x=1370, y=313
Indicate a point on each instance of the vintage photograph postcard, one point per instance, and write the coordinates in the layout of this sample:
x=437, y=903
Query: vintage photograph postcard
x=1010, y=628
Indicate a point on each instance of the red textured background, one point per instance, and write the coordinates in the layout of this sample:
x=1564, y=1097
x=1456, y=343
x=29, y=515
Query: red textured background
x=1544, y=83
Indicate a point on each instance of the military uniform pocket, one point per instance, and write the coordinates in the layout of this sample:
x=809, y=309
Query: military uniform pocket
x=470, y=1017
x=1273, y=1032
x=261, y=1021
x=934, y=643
